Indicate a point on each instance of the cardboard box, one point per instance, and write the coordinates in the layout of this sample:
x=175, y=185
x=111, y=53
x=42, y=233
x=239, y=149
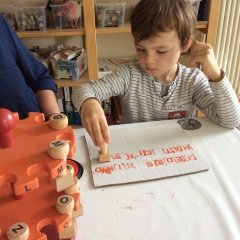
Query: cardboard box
x=69, y=69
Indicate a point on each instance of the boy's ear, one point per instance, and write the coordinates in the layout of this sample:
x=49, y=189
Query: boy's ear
x=187, y=45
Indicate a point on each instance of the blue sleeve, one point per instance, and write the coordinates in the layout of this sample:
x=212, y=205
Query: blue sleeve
x=35, y=73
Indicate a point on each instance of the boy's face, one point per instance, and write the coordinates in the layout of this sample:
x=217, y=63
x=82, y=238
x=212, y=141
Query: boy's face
x=158, y=55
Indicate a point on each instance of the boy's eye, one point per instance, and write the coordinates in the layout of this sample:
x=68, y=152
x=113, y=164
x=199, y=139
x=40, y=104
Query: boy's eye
x=140, y=49
x=161, y=52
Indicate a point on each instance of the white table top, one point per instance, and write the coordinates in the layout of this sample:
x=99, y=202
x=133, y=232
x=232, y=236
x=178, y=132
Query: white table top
x=198, y=206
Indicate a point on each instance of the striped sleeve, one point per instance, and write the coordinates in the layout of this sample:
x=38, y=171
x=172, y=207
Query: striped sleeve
x=219, y=102
x=113, y=84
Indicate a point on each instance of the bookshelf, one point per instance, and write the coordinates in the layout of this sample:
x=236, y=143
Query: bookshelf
x=51, y=33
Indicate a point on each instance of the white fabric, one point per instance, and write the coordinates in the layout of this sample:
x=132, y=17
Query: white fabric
x=198, y=206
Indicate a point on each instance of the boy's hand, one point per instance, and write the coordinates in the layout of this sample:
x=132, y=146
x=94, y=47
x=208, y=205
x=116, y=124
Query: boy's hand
x=94, y=121
x=202, y=53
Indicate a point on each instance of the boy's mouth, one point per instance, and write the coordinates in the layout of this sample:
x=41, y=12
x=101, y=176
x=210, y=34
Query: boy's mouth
x=150, y=69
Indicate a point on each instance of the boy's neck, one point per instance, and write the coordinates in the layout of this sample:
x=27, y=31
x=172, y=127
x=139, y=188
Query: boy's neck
x=170, y=76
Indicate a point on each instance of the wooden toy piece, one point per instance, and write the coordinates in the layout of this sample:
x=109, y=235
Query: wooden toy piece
x=70, y=169
x=78, y=212
x=6, y=126
x=18, y=231
x=64, y=181
x=65, y=204
x=75, y=188
x=104, y=155
x=70, y=231
x=58, y=121
x=58, y=149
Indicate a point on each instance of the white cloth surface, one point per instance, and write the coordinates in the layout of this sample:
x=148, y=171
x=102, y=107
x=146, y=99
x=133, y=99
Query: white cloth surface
x=201, y=206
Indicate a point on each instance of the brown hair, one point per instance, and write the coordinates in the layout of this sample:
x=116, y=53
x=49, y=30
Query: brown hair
x=152, y=16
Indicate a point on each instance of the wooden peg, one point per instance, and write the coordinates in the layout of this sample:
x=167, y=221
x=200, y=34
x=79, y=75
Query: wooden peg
x=18, y=231
x=75, y=188
x=70, y=169
x=58, y=149
x=65, y=204
x=58, y=121
x=69, y=232
x=78, y=212
x=64, y=181
x=104, y=155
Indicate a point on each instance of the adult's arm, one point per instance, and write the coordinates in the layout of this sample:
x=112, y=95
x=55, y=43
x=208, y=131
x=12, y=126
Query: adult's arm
x=47, y=102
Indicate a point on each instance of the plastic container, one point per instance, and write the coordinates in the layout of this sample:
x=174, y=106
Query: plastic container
x=7, y=12
x=30, y=18
x=69, y=69
x=110, y=14
x=68, y=15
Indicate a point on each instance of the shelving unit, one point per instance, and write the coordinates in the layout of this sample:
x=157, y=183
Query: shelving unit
x=90, y=32
x=52, y=33
x=127, y=28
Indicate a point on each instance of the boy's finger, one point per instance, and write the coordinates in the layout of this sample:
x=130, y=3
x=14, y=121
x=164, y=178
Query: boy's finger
x=105, y=129
x=105, y=132
x=97, y=134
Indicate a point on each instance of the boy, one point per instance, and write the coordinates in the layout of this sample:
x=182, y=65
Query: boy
x=157, y=87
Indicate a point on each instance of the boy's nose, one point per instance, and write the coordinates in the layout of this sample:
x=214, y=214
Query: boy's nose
x=149, y=58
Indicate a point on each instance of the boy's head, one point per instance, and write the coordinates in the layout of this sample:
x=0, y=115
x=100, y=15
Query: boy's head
x=150, y=17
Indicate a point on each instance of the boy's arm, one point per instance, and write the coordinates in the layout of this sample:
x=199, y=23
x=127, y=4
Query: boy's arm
x=221, y=104
x=202, y=53
x=92, y=115
x=87, y=99
x=94, y=121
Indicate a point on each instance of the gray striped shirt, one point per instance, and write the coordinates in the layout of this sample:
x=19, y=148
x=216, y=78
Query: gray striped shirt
x=142, y=101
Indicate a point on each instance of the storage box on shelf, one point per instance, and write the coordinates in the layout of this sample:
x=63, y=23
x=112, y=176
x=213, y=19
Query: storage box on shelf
x=67, y=15
x=65, y=67
x=7, y=11
x=109, y=14
x=30, y=17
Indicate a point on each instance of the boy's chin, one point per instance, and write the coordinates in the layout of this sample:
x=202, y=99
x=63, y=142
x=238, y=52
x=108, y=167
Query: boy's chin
x=150, y=72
